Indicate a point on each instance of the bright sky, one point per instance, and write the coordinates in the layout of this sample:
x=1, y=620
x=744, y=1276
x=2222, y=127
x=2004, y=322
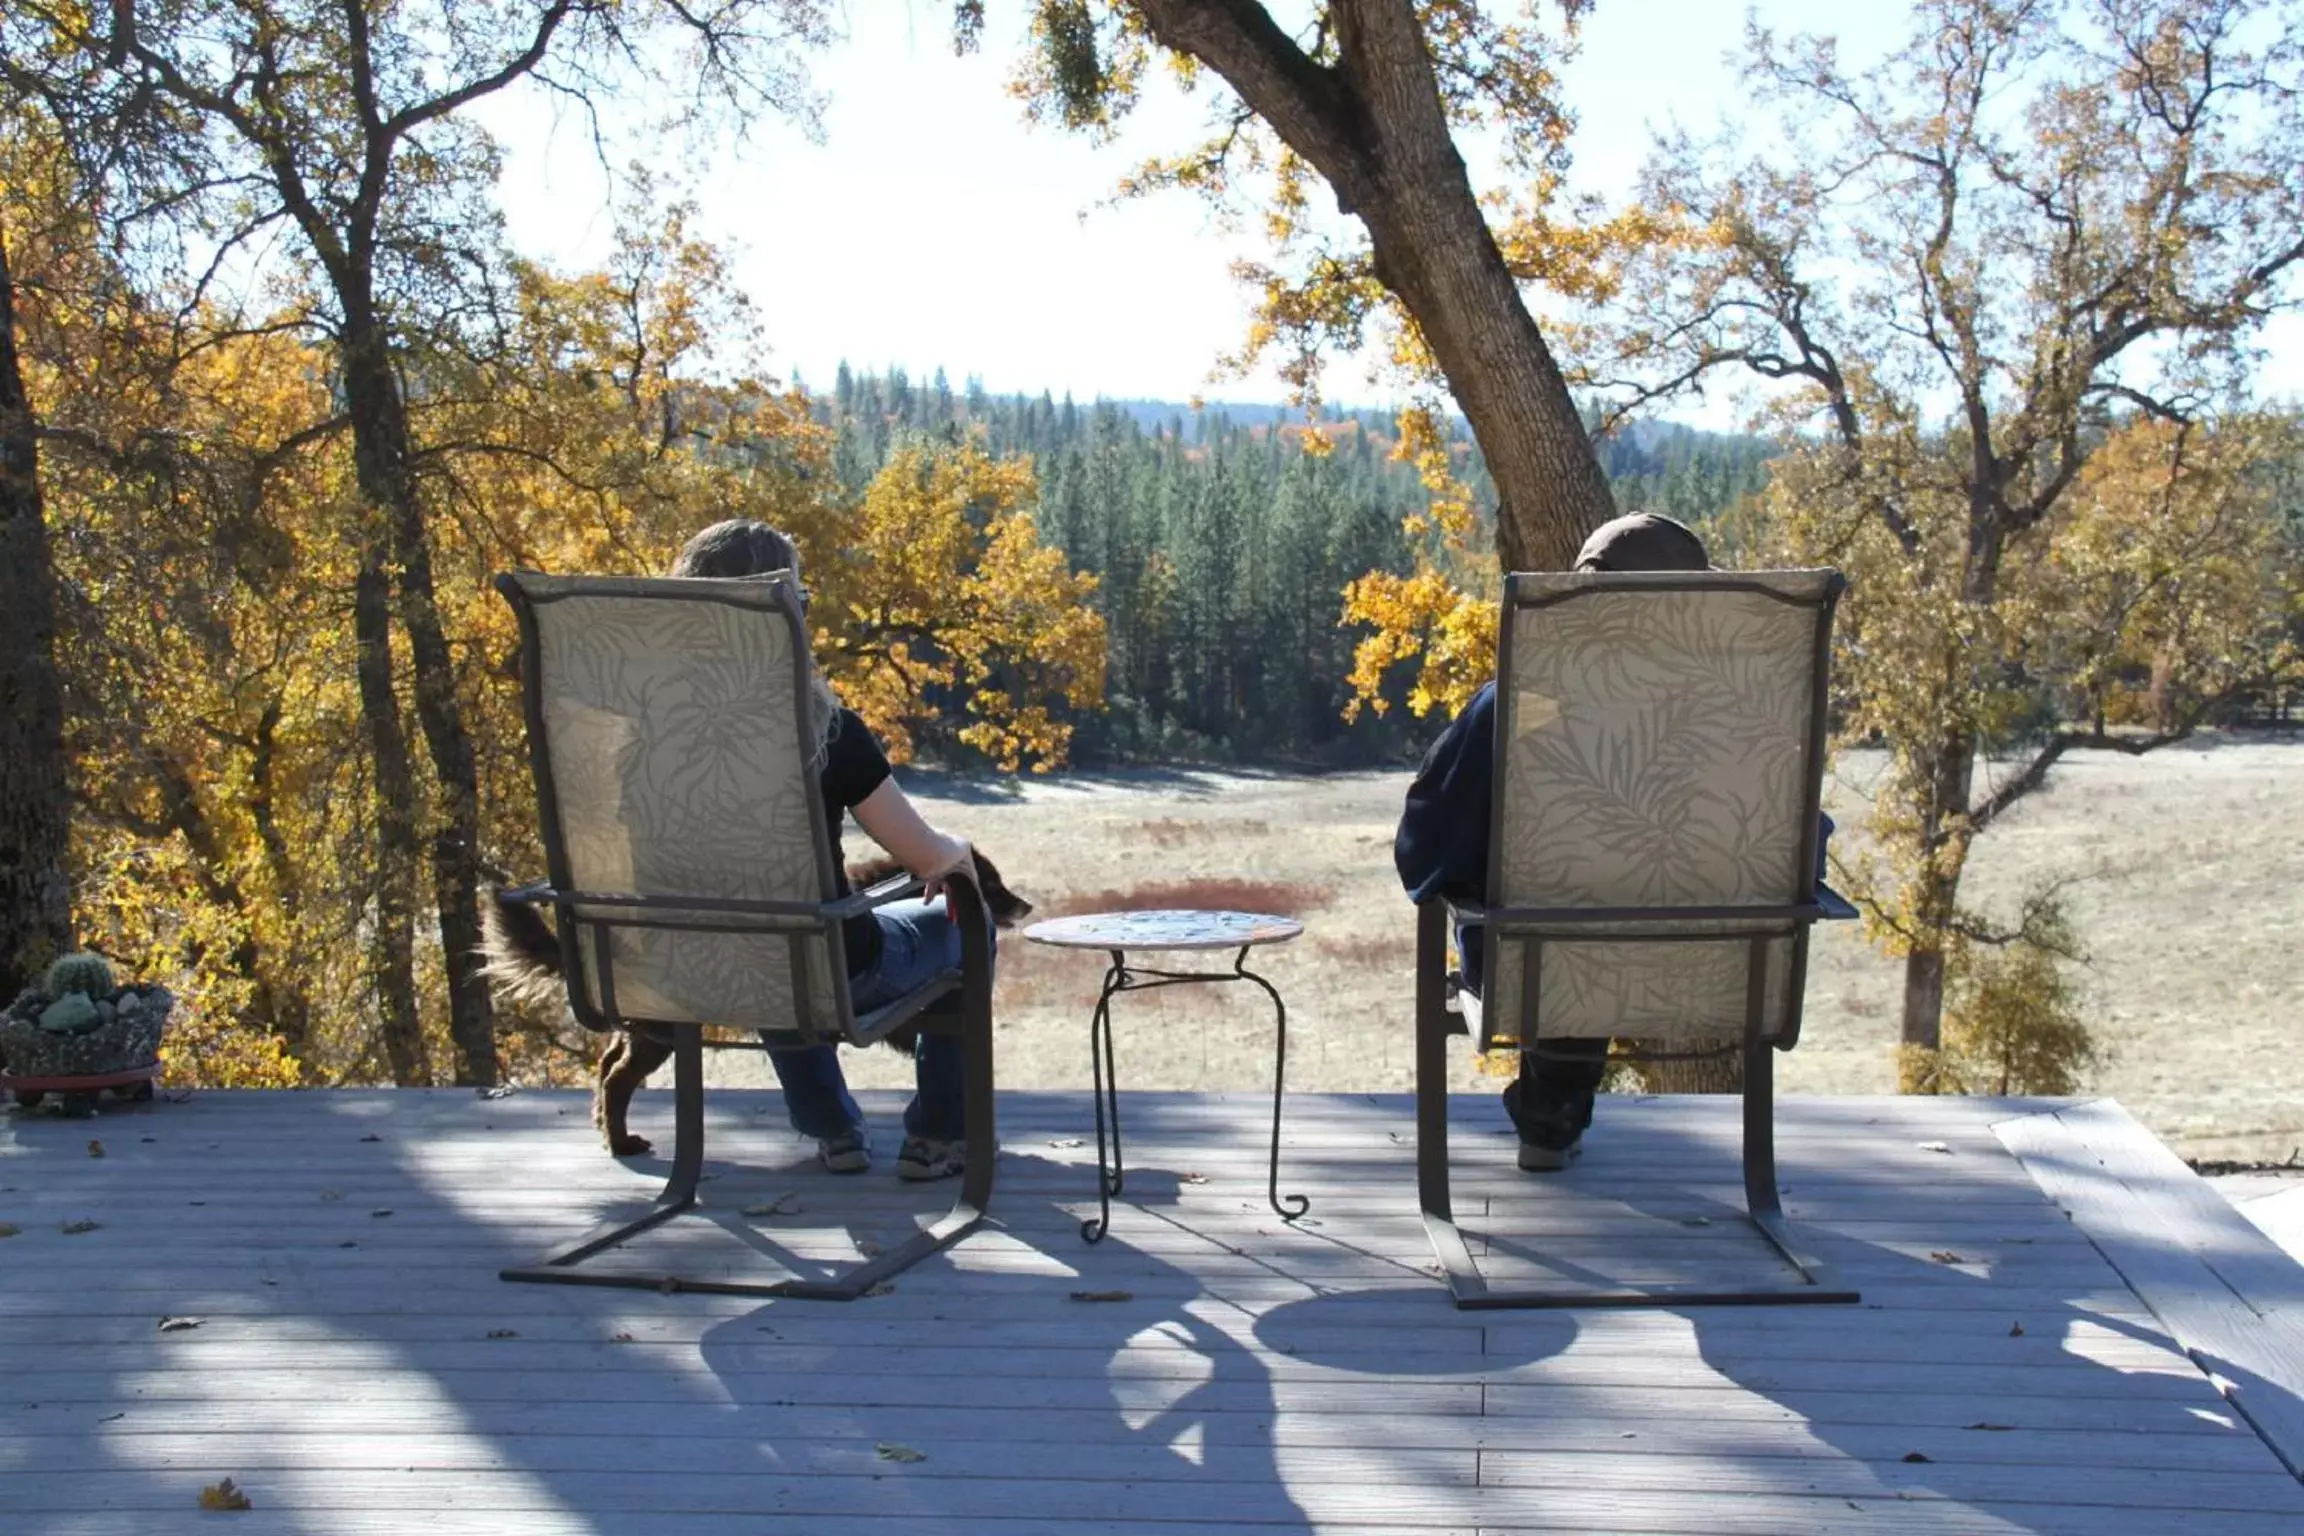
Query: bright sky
x=933, y=227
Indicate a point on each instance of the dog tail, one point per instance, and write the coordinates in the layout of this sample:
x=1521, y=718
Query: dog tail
x=521, y=950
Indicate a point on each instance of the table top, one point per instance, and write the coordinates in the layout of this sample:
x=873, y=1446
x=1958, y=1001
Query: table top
x=1167, y=928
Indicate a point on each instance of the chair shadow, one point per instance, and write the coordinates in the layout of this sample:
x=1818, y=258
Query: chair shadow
x=1924, y=1391
x=1018, y=1390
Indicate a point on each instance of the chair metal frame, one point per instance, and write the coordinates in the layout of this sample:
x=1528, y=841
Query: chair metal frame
x=1438, y=1014
x=798, y=922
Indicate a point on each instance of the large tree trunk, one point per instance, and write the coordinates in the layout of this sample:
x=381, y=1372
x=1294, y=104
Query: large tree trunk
x=1374, y=127
x=1944, y=835
x=379, y=461
x=392, y=935
x=284, y=1004
x=35, y=805
x=381, y=454
x=1434, y=250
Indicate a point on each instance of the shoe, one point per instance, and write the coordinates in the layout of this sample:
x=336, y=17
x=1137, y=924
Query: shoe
x=1551, y=1123
x=1537, y=1157
x=923, y=1158
x=848, y=1152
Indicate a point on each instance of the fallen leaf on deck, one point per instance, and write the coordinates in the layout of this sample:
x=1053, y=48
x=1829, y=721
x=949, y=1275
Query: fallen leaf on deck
x=884, y=1288
x=1944, y=1147
x=889, y=1450
x=1989, y=1426
x=1191, y=1178
x=95, y=1148
x=113, y=1418
x=619, y=1338
x=223, y=1495
x=868, y=1248
x=1946, y=1256
x=9, y=1229
x=1695, y=1221
x=75, y=1228
x=776, y=1207
x=1067, y=1141
x=504, y=1091
x=371, y=1136
x=331, y=1194
x=179, y=1324
x=382, y=1210
x=1917, y=1456
x=2015, y=1330
x=503, y=1333
x=1103, y=1295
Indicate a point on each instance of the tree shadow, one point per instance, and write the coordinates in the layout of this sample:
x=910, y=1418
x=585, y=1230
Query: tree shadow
x=352, y=1353
x=1982, y=1375
x=1023, y=1378
x=346, y=1349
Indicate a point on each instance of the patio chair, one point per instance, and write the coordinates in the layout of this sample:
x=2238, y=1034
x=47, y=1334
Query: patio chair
x=691, y=867
x=1652, y=869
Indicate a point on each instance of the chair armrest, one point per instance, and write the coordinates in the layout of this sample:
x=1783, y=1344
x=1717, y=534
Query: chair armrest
x=1463, y=912
x=877, y=894
x=540, y=891
x=1837, y=908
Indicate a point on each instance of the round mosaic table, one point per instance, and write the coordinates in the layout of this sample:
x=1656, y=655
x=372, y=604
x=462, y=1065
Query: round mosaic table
x=1119, y=934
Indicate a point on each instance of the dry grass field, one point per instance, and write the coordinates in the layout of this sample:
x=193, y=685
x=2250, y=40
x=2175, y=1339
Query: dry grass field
x=2187, y=868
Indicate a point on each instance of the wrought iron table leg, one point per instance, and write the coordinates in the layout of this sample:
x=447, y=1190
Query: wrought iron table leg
x=1106, y=1090
x=1279, y=1086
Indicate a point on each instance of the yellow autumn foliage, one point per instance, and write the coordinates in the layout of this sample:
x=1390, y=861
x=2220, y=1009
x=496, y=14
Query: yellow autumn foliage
x=203, y=506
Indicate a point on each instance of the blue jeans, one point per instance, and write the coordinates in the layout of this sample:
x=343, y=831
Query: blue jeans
x=917, y=939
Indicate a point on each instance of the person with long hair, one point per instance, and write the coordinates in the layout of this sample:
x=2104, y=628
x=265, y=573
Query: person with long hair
x=893, y=948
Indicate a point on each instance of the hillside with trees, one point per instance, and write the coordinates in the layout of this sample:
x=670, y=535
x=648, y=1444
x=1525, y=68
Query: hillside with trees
x=1222, y=538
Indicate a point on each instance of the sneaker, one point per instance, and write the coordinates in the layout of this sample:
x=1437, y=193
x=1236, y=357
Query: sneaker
x=923, y=1158
x=1551, y=1124
x=1537, y=1157
x=848, y=1152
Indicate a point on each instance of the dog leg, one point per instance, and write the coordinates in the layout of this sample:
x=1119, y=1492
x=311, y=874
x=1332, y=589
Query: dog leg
x=624, y=1065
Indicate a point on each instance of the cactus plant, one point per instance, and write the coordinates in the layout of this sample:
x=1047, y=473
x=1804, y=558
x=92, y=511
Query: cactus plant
x=87, y=973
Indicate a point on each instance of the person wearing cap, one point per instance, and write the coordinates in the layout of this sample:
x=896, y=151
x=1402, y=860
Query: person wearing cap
x=1441, y=849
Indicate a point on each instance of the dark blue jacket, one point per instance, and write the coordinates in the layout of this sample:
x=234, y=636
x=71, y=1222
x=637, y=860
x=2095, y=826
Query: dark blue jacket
x=1441, y=848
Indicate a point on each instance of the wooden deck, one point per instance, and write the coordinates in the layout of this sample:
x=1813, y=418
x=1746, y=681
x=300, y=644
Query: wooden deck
x=2042, y=1288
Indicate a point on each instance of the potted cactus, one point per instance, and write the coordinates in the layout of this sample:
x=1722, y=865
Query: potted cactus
x=78, y=1033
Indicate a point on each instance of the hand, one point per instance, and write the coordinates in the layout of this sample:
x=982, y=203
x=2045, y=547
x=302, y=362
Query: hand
x=932, y=886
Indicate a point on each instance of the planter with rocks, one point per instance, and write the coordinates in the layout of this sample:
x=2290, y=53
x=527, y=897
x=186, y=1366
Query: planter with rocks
x=78, y=1035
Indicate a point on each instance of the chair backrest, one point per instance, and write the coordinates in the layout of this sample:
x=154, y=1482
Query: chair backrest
x=1659, y=744
x=669, y=730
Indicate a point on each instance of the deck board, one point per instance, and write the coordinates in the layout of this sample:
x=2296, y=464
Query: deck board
x=361, y=1372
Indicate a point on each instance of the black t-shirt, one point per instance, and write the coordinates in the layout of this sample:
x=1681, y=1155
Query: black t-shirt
x=854, y=766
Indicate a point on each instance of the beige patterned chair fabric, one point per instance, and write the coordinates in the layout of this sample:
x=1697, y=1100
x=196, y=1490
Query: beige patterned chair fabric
x=674, y=721
x=1656, y=742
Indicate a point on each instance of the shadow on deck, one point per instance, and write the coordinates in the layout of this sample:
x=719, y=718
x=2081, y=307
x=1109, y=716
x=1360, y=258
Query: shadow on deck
x=354, y=1364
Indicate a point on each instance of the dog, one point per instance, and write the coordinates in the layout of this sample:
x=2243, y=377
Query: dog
x=524, y=967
